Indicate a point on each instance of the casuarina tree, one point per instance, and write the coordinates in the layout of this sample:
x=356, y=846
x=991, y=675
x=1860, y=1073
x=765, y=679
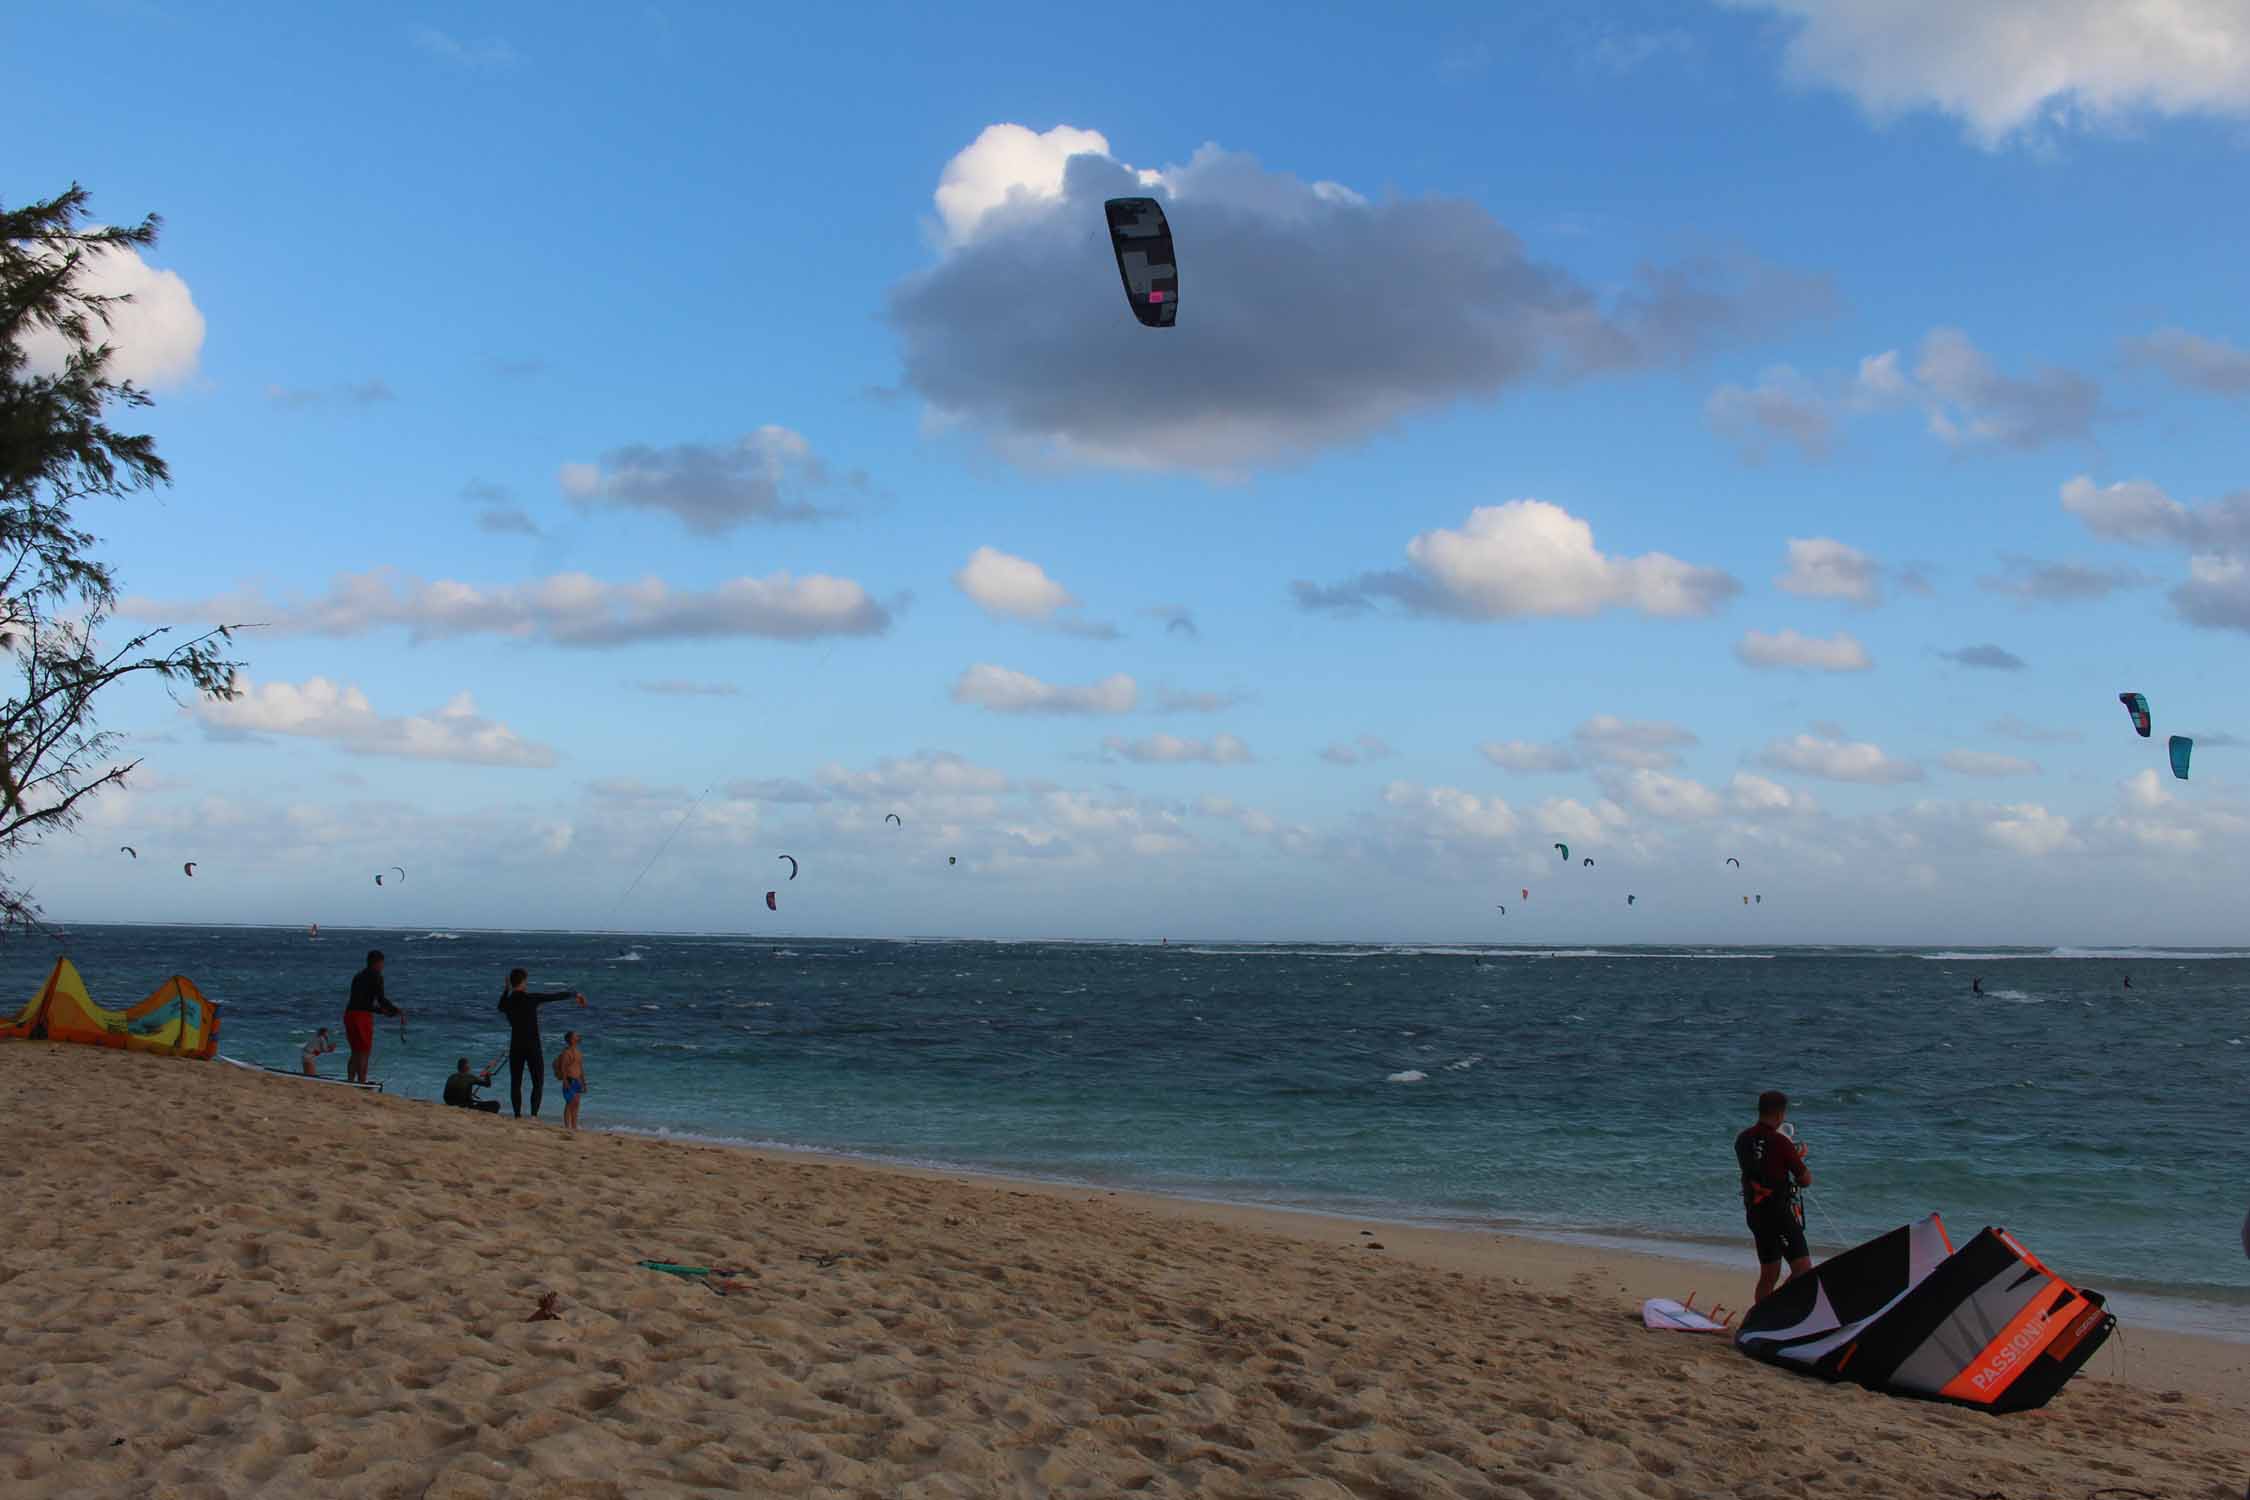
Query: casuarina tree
x=58, y=454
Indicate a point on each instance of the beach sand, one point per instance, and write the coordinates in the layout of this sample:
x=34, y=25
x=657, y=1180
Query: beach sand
x=217, y=1283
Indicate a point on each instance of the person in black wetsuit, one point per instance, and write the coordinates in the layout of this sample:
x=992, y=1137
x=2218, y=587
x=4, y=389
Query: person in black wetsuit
x=521, y=1007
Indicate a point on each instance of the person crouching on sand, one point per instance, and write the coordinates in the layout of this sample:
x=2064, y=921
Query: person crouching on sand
x=1773, y=1174
x=461, y=1088
x=316, y=1049
x=570, y=1070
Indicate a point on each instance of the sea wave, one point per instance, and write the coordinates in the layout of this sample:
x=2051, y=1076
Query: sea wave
x=1410, y=1075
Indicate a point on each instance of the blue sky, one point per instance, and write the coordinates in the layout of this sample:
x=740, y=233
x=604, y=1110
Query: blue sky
x=1595, y=427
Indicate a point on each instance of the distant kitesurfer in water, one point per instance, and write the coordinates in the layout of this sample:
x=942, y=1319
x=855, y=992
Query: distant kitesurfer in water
x=521, y=1007
x=367, y=1002
x=1773, y=1174
x=1976, y=986
x=2128, y=981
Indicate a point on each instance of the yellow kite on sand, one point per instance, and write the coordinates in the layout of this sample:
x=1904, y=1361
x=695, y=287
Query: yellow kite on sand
x=176, y=1019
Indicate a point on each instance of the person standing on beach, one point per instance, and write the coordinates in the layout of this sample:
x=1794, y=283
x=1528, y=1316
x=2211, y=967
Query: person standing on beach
x=1773, y=1174
x=525, y=1050
x=571, y=1069
x=316, y=1049
x=368, y=1001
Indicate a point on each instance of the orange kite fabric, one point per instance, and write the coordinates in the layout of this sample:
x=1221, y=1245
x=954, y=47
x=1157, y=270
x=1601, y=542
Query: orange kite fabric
x=175, y=1020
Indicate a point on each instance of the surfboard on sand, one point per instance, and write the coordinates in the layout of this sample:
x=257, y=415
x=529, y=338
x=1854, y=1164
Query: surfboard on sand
x=1667, y=1316
x=301, y=1077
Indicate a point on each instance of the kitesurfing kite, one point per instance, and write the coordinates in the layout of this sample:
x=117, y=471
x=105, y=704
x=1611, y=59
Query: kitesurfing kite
x=1564, y=851
x=1527, y=895
x=128, y=849
x=1143, y=242
x=188, y=868
x=2181, y=747
x=2137, y=706
x=1588, y=863
x=1504, y=912
x=1736, y=863
x=1759, y=899
x=378, y=880
x=951, y=860
x=1909, y=1315
x=1629, y=900
x=770, y=903
x=894, y=818
x=792, y=865
x=400, y=872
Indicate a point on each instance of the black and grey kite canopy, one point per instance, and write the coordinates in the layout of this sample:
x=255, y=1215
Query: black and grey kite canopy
x=1143, y=242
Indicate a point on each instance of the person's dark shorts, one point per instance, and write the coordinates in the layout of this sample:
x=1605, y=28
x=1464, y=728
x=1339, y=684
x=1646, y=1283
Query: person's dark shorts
x=1779, y=1230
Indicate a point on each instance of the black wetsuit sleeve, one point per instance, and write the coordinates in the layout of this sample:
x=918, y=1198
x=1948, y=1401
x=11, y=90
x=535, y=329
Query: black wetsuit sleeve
x=382, y=1000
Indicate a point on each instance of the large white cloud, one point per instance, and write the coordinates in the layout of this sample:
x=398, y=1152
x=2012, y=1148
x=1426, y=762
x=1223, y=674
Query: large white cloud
x=155, y=339
x=1004, y=690
x=1789, y=648
x=2135, y=510
x=2008, y=67
x=321, y=709
x=1833, y=758
x=1528, y=558
x=1446, y=812
x=1663, y=795
x=565, y=609
x=1311, y=316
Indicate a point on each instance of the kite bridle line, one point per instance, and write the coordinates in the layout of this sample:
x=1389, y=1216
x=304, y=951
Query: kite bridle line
x=685, y=818
x=1789, y=1131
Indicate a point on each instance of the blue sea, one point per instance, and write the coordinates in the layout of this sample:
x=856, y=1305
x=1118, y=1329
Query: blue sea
x=1586, y=1092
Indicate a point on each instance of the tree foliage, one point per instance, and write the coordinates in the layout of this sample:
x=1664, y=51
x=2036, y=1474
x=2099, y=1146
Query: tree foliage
x=57, y=451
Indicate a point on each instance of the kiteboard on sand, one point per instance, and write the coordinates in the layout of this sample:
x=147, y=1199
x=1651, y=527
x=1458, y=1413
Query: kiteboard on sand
x=342, y=1083
x=1667, y=1316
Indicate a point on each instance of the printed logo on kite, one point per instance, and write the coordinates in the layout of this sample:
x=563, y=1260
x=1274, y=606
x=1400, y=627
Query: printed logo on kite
x=1142, y=238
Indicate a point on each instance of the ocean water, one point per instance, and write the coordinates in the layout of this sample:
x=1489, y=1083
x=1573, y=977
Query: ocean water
x=1573, y=1092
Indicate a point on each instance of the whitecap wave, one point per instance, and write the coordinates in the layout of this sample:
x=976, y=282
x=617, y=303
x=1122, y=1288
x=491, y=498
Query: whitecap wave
x=1411, y=1075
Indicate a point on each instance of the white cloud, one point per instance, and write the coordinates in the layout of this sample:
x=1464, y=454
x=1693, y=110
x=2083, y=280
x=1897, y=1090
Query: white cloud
x=1836, y=759
x=1353, y=752
x=1528, y=756
x=1528, y=558
x=489, y=52
x=1970, y=401
x=1986, y=763
x=2211, y=365
x=763, y=475
x=1783, y=407
x=2145, y=791
x=2026, y=828
x=565, y=609
x=1019, y=330
x=935, y=783
x=2010, y=68
x=1450, y=813
x=1652, y=744
x=1171, y=750
x=1788, y=648
x=1755, y=796
x=1193, y=701
x=156, y=339
x=1015, y=588
x=1823, y=568
x=1006, y=691
x=1663, y=795
x=341, y=714
x=2134, y=510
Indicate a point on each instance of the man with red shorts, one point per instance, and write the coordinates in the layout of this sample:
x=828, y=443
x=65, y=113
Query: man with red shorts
x=1773, y=1173
x=368, y=1001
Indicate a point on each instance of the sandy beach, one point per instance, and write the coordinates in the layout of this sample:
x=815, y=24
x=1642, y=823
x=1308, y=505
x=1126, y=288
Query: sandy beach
x=218, y=1283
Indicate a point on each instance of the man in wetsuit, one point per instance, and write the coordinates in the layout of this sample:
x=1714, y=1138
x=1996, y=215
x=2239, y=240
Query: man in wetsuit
x=461, y=1089
x=367, y=1002
x=1773, y=1173
x=521, y=1007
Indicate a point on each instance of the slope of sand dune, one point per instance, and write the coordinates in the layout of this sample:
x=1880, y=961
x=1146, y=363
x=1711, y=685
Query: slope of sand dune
x=215, y=1283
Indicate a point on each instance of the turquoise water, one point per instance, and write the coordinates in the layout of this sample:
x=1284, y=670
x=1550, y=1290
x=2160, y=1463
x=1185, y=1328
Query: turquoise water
x=1581, y=1091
